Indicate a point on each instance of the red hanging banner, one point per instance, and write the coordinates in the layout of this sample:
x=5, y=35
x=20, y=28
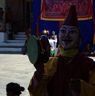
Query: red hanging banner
x=55, y=10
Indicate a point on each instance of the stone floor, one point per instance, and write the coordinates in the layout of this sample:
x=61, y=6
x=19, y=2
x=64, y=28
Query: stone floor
x=15, y=68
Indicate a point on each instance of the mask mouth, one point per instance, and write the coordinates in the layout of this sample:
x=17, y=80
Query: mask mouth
x=67, y=40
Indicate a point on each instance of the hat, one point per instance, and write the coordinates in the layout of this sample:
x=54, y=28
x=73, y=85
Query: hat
x=71, y=18
x=14, y=87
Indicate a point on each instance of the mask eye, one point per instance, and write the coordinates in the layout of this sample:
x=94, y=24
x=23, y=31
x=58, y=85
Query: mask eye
x=72, y=31
x=63, y=31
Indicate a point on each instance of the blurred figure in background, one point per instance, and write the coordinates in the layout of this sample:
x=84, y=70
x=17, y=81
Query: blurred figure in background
x=28, y=35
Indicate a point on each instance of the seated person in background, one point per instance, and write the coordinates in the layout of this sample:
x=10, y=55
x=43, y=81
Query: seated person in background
x=14, y=89
x=53, y=44
x=54, y=36
x=68, y=65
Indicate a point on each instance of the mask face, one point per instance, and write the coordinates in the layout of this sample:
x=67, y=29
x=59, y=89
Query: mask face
x=69, y=37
